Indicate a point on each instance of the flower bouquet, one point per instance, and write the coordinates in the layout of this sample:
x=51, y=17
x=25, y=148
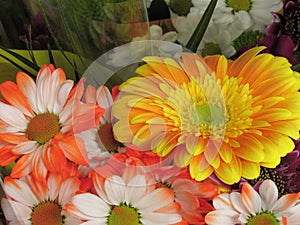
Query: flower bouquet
x=175, y=127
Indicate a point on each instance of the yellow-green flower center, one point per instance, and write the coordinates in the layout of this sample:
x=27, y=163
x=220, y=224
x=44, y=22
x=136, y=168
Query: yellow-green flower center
x=107, y=139
x=238, y=5
x=210, y=114
x=123, y=215
x=211, y=48
x=181, y=7
x=42, y=128
x=47, y=213
x=200, y=108
x=264, y=218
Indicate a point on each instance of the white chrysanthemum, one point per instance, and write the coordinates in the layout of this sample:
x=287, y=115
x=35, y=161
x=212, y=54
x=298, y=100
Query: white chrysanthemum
x=217, y=40
x=118, y=202
x=232, y=15
x=254, y=208
x=139, y=47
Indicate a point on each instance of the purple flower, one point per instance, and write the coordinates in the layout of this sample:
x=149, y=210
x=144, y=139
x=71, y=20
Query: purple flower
x=282, y=36
x=37, y=33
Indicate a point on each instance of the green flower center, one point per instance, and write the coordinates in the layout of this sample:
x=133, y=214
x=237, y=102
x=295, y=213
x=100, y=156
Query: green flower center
x=266, y=174
x=211, y=49
x=181, y=7
x=107, y=139
x=47, y=212
x=264, y=218
x=42, y=128
x=210, y=114
x=238, y=5
x=123, y=215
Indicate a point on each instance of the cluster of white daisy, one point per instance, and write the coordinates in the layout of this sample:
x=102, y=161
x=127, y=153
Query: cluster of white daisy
x=230, y=19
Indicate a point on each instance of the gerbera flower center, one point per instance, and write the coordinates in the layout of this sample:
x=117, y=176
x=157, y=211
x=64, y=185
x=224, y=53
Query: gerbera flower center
x=42, y=128
x=238, y=5
x=123, y=215
x=182, y=8
x=49, y=212
x=107, y=139
x=266, y=174
x=210, y=114
x=264, y=218
x=201, y=110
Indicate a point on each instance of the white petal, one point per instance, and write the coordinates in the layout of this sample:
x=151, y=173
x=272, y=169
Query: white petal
x=115, y=189
x=15, y=211
x=90, y=206
x=237, y=203
x=42, y=83
x=15, y=189
x=67, y=190
x=269, y=194
x=222, y=201
x=251, y=199
x=222, y=217
x=105, y=101
x=285, y=203
x=53, y=184
x=155, y=200
x=12, y=116
x=62, y=96
x=160, y=218
x=136, y=188
x=95, y=222
x=25, y=147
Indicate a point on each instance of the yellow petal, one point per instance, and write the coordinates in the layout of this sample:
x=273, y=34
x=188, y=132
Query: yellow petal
x=250, y=170
x=229, y=173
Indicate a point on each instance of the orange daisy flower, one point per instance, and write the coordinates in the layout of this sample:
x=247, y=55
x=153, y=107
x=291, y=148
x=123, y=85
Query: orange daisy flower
x=30, y=201
x=215, y=115
x=38, y=122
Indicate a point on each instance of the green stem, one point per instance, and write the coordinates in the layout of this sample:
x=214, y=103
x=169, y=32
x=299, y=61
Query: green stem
x=296, y=67
x=198, y=34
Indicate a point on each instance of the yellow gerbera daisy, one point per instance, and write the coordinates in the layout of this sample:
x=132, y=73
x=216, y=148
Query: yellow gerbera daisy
x=215, y=115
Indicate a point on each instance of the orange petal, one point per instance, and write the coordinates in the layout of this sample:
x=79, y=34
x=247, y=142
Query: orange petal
x=15, y=97
x=73, y=148
x=22, y=166
x=237, y=66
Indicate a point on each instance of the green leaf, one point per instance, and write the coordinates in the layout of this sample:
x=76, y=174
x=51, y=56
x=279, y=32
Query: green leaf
x=248, y=38
x=198, y=34
x=18, y=66
x=20, y=58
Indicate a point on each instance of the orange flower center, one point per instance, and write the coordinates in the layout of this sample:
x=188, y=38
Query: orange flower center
x=49, y=212
x=123, y=215
x=107, y=139
x=42, y=128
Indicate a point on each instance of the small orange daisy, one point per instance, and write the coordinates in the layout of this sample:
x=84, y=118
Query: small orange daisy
x=38, y=121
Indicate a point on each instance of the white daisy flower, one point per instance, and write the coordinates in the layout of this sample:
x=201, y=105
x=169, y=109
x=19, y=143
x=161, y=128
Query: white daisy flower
x=255, y=208
x=119, y=202
x=234, y=16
